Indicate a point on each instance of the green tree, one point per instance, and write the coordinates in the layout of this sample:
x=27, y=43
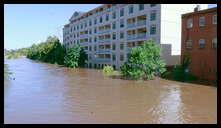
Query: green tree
x=144, y=62
x=75, y=57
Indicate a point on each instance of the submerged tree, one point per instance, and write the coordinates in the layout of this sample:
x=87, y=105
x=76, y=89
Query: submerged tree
x=75, y=57
x=144, y=62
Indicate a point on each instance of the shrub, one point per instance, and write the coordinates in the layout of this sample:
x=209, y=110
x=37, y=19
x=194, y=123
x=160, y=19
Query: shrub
x=108, y=69
x=144, y=62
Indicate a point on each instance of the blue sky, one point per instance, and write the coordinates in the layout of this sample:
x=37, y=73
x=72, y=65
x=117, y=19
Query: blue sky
x=26, y=24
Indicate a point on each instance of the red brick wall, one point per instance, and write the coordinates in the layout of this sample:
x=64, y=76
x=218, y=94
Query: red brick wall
x=204, y=61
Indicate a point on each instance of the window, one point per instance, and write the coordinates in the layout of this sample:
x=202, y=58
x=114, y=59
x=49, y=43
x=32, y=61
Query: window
x=85, y=24
x=121, y=57
x=95, y=39
x=81, y=26
x=201, y=43
x=122, y=23
x=95, y=21
x=152, y=5
x=89, y=48
x=90, y=23
x=113, y=57
x=121, y=35
x=190, y=23
x=215, y=19
x=114, y=36
x=107, y=17
x=113, y=15
x=113, y=46
x=131, y=9
x=122, y=12
x=114, y=25
x=95, y=30
x=153, y=29
x=90, y=39
x=202, y=21
x=77, y=27
x=122, y=46
x=214, y=43
x=90, y=31
x=189, y=44
x=95, y=48
x=101, y=19
x=153, y=16
x=141, y=7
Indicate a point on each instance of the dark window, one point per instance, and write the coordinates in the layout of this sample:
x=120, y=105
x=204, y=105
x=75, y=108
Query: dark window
x=114, y=15
x=101, y=19
x=131, y=9
x=152, y=5
x=122, y=46
x=113, y=57
x=114, y=36
x=122, y=57
x=107, y=17
x=113, y=46
x=141, y=7
x=153, y=16
x=121, y=35
x=122, y=12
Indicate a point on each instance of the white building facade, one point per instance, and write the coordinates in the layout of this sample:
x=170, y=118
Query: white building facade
x=110, y=31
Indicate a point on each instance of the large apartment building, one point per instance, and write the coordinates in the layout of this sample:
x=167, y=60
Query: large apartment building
x=110, y=31
x=199, y=42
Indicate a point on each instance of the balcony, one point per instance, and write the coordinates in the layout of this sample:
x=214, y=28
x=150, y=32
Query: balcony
x=141, y=22
x=130, y=25
x=141, y=35
x=129, y=37
x=104, y=40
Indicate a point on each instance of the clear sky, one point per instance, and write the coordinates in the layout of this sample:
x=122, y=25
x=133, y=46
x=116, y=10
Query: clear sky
x=26, y=24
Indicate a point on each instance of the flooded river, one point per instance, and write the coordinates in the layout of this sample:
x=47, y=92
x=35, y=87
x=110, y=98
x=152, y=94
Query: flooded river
x=47, y=93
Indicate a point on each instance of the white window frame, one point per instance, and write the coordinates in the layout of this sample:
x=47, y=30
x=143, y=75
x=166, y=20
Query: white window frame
x=189, y=23
x=202, y=42
x=202, y=21
x=214, y=43
x=215, y=19
x=189, y=44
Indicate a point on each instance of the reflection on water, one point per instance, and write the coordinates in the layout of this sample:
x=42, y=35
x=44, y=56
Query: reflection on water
x=46, y=93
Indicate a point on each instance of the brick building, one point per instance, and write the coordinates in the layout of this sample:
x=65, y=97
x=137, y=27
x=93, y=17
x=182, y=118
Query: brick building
x=199, y=42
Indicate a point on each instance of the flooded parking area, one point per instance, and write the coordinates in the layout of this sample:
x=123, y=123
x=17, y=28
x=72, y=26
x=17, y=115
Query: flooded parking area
x=47, y=93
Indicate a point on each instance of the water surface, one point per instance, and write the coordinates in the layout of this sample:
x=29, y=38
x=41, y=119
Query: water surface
x=47, y=93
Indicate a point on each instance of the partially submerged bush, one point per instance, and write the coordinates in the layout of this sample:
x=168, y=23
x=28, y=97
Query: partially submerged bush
x=108, y=69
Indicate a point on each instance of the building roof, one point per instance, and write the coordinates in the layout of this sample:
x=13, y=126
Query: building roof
x=200, y=12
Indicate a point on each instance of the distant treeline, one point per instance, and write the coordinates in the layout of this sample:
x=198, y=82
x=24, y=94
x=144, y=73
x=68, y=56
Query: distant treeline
x=51, y=51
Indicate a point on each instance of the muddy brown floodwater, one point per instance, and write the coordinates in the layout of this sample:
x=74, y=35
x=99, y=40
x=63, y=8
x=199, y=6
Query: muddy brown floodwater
x=47, y=93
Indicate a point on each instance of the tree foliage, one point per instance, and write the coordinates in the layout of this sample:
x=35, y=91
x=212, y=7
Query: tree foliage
x=50, y=51
x=144, y=62
x=75, y=56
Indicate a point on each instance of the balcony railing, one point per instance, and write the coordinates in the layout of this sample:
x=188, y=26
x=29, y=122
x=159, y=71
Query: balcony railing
x=104, y=50
x=104, y=40
x=141, y=22
x=130, y=48
x=84, y=43
x=104, y=31
x=141, y=35
x=130, y=25
x=131, y=37
x=103, y=59
x=83, y=36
